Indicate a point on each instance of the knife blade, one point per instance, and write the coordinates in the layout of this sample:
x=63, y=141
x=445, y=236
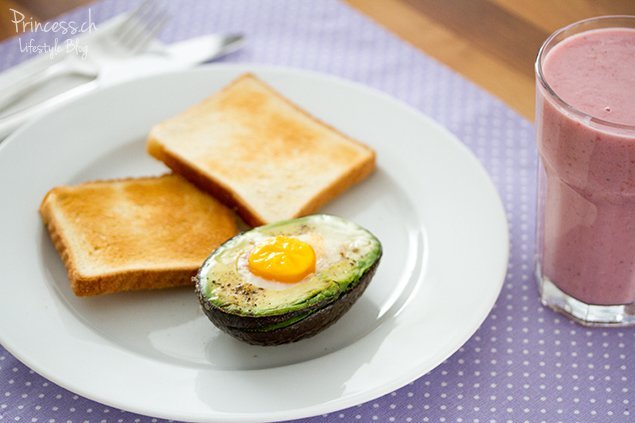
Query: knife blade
x=203, y=49
x=182, y=54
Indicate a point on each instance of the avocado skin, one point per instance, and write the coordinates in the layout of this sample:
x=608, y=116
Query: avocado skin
x=323, y=315
x=250, y=323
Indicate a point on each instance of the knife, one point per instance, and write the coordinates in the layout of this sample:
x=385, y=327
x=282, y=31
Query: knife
x=202, y=49
x=178, y=55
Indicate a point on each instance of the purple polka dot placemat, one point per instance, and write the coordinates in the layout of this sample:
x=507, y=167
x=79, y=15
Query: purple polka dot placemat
x=526, y=363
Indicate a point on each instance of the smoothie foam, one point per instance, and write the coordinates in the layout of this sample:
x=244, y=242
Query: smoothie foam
x=588, y=184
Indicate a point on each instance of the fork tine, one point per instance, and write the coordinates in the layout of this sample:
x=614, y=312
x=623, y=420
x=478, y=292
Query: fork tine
x=132, y=20
x=141, y=26
x=141, y=40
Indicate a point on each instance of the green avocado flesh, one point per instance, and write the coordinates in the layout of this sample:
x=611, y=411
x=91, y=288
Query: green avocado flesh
x=232, y=296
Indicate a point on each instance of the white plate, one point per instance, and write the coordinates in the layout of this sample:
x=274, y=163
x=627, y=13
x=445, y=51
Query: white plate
x=431, y=204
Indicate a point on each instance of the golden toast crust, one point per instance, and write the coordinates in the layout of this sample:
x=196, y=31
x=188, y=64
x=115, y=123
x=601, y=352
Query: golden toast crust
x=264, y=136
x=111, y=236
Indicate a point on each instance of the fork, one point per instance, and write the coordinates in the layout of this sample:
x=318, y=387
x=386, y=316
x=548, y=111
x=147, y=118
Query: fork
x=129, y=38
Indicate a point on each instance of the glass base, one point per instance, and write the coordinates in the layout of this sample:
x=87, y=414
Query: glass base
x=585, y=314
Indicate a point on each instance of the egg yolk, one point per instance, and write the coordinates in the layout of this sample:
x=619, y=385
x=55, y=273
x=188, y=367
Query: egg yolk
x=285, y=259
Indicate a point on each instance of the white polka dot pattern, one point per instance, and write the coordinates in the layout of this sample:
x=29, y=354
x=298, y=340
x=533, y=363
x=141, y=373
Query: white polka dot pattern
x=525, y=364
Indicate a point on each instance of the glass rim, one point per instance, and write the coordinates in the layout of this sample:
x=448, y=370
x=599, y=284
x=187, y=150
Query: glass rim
x=559, y=101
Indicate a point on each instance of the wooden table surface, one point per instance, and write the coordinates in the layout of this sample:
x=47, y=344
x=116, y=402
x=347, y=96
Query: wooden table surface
x=490, y=42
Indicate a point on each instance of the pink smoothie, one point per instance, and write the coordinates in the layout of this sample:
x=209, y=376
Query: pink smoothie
x=588, y=184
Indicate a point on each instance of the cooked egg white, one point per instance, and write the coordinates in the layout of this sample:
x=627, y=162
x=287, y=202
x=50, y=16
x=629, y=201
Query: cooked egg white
x=331, y=244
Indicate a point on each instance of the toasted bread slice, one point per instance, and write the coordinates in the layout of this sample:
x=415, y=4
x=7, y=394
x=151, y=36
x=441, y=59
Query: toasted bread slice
x=259, y=153
x=134, y=234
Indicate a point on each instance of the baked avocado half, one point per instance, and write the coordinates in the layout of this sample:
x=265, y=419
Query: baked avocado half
x=289, y=280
